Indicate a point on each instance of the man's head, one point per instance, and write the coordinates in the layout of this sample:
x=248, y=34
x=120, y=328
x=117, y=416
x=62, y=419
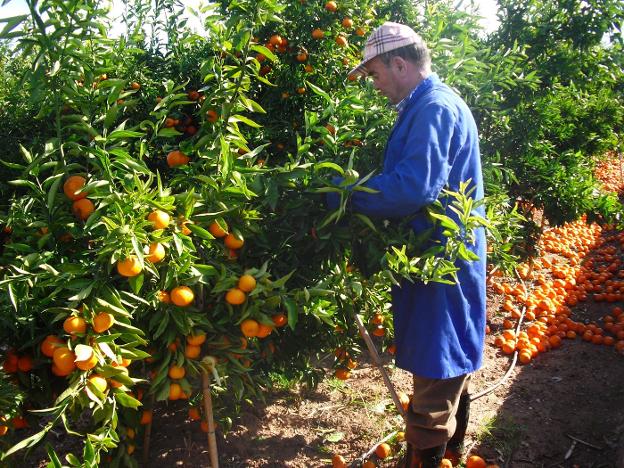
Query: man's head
x=396, y=58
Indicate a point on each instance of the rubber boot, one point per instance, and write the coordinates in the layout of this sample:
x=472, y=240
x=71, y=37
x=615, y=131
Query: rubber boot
x=422, y=458
x=455, y=446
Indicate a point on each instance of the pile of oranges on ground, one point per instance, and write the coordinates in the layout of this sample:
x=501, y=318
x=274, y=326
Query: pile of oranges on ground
x=610, y=172
x=579, y=262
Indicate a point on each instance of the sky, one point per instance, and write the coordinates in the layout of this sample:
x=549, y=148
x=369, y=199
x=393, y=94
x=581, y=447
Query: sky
x=487, y=9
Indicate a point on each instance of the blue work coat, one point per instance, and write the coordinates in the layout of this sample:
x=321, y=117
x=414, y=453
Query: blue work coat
x=439, y=329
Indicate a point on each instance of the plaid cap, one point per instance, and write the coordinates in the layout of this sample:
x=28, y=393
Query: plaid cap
x=387, y=37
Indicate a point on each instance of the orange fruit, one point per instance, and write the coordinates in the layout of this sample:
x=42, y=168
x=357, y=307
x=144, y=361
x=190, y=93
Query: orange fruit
x=159, y=219
x=163, y=296
x=49, y=344
x=63, y=359
x=446, y=463
x=98, y=382
x=211, y=115
x=342, y=374
x=347, y=23
x=338, y=461
x=83, y=208
x=146, y=417
x=341, y=41
x=475, y=461
x=73, y=325
x=175, y=391
x=331, y=6
x=193, y=95
x=279, y=320
x=249, y=327
x=25, y=363
x=182, y=296
x=156, y=252
x=194, y=414
x=263, y=330
x=318, y=33
x=233, y=242
x=404, y=399
x=302, y=56
x=102, y=322
x=360, y=31
x=72, y=185
x=3, y=429
x=235, y=296
x=383, y=450
x=216, y=230
x=88, y=359
x=196, y=340
x=192, y=351
x=247, y=283
x=129, y=267
x=177, y=158
x=176, y=372
x=275, y=40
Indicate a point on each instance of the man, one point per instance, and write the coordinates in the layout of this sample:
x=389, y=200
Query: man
x=439, y=328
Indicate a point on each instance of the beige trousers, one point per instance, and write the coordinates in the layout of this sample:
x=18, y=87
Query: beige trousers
x=431, y=414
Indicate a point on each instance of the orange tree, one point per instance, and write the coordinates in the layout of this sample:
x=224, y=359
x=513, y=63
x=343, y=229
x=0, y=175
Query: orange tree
x=170, y=204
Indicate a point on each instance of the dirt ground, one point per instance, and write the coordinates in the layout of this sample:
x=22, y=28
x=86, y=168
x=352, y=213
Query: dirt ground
x=564, y=409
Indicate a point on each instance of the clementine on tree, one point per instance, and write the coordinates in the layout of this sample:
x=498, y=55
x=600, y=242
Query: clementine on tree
x=247, y=283
x=216, y=230
x=177, y=158
x=235, y=296
x=73, y=325
x=63, y=359
x=102, y=322
x=249, y=328
x=72, y=185
x=83, y=208
x=159, y=219
x=182, y=296
x=233, y=242
x=129, y=267
x=49, y=344
x=156, y=252
x=176, y=372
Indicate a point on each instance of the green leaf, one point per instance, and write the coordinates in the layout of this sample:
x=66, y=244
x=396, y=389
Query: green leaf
x=293, y=313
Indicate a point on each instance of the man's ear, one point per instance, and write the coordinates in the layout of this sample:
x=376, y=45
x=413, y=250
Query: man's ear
x=400, y=64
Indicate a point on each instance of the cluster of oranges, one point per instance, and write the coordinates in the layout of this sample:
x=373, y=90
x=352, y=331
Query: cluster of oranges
x=610, y=173
x=579, y=262
x=82, y=207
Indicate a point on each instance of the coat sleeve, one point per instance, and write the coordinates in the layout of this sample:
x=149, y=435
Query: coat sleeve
x=420, y=171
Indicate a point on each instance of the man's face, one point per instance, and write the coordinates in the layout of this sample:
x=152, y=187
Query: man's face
x=385, y=79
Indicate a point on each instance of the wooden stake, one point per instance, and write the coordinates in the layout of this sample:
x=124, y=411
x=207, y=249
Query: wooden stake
x=375, y=357
x=207, y=369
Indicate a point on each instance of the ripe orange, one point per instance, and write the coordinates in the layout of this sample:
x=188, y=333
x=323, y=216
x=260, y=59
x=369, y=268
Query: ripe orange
x=175, y=391
x=279, y=320
x=88, y=363
x=263, y=330
x=331, y=6
x=342, y=41
x=194, y=414
x=233, y=242
x=192, y=351
x=73, y=325
x=159, y=219
x=182, y=296
x=347, y=23
x=146, y=417
x=212, y=116
x=3, y=429
x=163, y=296
x=193, y=95
x=383, y=450
x=129, y=267
x=249, y=328
x=360, y=31
x=302, y=56
x=156, y=252
x=247, y=283
x=63, y=359
x=176, y=372
x=49, y=344
x=318, y=33
x=368, y=464
x=338, y=461
x=275, y=40
x=216, y=230
x=235, y=296
x=72, y=185
x=342, y=374
x=25, y=363
x=475, y=461
x=177, y=158
x=102, y=322
x=196, y=340
x=446, y=463
x=404, y=399
x=83, y=208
